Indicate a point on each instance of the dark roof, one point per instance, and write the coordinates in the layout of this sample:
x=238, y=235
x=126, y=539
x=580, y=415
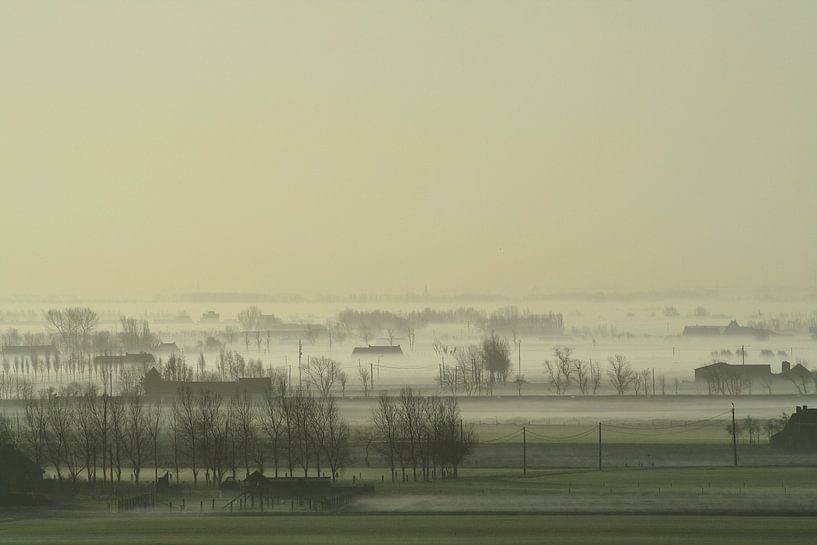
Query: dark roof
x=17, y=471
x=24, y=350
x=749, y=370
x=138, y=358
x=800, y=432
x=167, y=347
x=378, y=350
x=154, y=385
x=733, y=328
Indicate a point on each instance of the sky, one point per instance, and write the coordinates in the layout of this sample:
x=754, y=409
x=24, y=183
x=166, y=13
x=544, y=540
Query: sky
x=383, y=147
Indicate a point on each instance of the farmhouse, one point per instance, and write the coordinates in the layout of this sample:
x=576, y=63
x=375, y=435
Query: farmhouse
x=17, y=472
x=210, y=316
x=800, y=431
x=378, y=350
x=44, y=351
x=156, y=386
x=752, y=372
x=732, y=329
x=139, y=358
x=167, y=349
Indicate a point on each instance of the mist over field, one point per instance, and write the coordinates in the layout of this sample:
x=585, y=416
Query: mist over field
x=495, y=262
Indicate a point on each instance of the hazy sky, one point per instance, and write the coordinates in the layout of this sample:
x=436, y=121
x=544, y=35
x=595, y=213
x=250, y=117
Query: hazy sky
x=337, y=147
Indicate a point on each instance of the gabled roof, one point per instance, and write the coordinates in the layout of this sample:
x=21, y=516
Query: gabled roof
x=26, y=350
x=138, y=358
x=16, y=469
x=378, y=350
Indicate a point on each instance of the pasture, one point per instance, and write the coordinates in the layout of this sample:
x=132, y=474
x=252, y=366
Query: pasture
x=418, y=529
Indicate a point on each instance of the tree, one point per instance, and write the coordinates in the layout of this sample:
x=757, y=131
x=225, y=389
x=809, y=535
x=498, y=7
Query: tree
x=497, y=357
x=73, y=325
x=244, y=422
x=363, y=373
x=595, y=376
x=385, y=420
x=638, y=382
x=250, y=318
x=582, y=375
x=273, y=421
x=323, y=373
x=337, y=437
x=519, y=381
x=153, y=420
x=137, y=433
x=621, y=373
x=186, y=421
x=560, y=369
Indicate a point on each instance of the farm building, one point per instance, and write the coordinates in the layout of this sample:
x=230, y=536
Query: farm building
x=752, y=372
x=156, y=386
x=210, y=316
x=17, y=472
x=139, y=358
x=732, y=329
x=800, y=432
x=378, y=350
x=167, y=349
x=40, y=351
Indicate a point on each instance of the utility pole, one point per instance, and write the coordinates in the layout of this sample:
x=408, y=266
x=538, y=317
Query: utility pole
x=734, y=438
x=524, y=452
x=300, y=354
x=653, y=381
x=519, y=358
x=371, y=375
x=599, y=446
x=743, y=354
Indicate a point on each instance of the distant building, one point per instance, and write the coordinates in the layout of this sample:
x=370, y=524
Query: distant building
x=720, y=369
x=167, y=349
x=750, y=373
x=39, y=351
x=799, y=433
x=140, y=358
x=378, y=350
x=210, y=316
x=732, y=329
x=292, y=332
x=156, y=386
x=17, y=472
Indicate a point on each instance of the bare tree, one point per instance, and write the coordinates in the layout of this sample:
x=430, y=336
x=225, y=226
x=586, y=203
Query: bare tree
x=137, y=426
x=244, y=422
x=250, y=318
x=582, y=375
x=645, y=381
x=365, y=379
x=497, y=357
x=336, y=442
x=385, y=419
x=323, y=373
x=621, y=373
x=595, y=376
x=519, y=381
x=343, y=378
x=185, y=417
x=273, y=421
x=153, y=420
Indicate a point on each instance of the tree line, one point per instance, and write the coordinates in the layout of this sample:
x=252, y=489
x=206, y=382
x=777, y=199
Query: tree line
x=111, y=439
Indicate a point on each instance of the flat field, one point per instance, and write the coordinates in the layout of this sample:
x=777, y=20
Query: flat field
x=420, y=529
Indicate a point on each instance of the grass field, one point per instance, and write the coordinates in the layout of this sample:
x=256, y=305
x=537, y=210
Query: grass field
x=438, y=530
